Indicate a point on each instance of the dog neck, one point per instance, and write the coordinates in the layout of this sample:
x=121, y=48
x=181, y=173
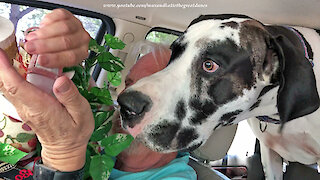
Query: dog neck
x=266, y=104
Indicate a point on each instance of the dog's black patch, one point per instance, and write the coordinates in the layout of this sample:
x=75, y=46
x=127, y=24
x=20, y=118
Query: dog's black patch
x=244, y=69
x=198, y=117
x=255, y=105
x=186, y=136
x=202, y=110
x=177, y=48
x=233, y=61
x=207, y=107
x=318, y=31
x=199, y=84
x=195, y=103
x=180, y=111
x=229, y=117
x=218, y=125
x=218, y=16
x=163, y=134
x=221, y=91
x=265, y=90
x=232, y=24
x=230, y=122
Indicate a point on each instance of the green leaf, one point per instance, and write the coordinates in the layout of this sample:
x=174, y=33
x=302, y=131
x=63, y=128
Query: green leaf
x=109, y=62
x=114, y=78
x=87, y=164
x=24, y=137
x=90, y=62
x=116, y=143
x=103, y=95
x=114, y=42
x=100, y=133
x=38, y=149
x=101, y=167
x=95, y=47
x=101, y=117
x=87, y=94
x=10, y=154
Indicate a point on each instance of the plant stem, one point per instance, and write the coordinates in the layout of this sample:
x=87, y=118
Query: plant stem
x=94, y=147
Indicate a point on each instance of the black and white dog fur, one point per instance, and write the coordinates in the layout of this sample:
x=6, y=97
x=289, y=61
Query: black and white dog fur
x=225, y=69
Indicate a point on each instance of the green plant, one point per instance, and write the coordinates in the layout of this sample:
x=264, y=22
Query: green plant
x=101, y=147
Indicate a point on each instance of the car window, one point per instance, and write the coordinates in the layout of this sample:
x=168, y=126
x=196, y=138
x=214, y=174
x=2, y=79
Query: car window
x=24, y=17
x=161, y=37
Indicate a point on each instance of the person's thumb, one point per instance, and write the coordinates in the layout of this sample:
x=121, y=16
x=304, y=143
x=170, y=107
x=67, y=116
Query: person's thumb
x=68, y=95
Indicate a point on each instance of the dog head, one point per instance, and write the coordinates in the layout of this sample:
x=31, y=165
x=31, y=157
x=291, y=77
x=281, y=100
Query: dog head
x=218, y=70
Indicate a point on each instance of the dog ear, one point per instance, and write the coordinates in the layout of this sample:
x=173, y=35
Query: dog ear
x=297, y=94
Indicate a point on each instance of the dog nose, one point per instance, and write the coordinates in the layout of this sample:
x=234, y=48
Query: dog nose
x=133, y=105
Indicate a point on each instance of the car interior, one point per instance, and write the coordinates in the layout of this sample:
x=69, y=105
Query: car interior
x=163, y=22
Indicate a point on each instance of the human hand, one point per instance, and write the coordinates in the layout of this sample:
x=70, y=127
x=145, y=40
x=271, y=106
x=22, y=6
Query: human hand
x=61, y=40
x=63, y=124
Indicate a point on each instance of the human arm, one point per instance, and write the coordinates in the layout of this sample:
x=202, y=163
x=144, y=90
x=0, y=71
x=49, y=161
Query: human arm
x=63, y=124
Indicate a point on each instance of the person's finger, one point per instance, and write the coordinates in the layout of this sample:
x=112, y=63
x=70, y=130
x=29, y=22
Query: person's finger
x=55, y=15
x=55, y=29
x=18, y=91
x=64, y=58
x=56, y=44
x=68, y=95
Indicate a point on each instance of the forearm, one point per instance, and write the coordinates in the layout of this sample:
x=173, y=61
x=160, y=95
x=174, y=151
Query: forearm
x=66, y=160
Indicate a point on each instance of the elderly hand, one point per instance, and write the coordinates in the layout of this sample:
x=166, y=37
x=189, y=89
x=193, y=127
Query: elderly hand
x=63, y=124
x=61, y=40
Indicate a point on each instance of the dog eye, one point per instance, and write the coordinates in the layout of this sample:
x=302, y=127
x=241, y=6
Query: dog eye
x=210, y=66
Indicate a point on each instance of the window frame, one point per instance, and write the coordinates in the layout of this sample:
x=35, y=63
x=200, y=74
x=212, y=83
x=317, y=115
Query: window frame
x=164, y=30
x=107, y=24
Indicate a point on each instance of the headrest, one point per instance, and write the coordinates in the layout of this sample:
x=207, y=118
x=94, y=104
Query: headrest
x=217, y=145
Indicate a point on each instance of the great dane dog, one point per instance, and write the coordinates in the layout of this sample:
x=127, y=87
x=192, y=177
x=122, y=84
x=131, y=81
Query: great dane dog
x=225, y=69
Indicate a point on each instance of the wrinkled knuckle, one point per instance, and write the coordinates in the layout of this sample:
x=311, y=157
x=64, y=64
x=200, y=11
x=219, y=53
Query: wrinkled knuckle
x=41, y=124
x=12, y=90
x=72, y=58
x=65, y=27
x=78, y=22
x=71, y=97
x=67, y=42
x=62, y=12
x=31, y=116
x=41, y=46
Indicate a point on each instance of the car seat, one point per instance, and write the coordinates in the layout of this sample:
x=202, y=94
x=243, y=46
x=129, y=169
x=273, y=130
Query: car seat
x=215, y=148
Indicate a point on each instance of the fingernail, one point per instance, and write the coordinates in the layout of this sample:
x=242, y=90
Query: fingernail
x=31, y=36
x=30, y=47
x=64, y=87
x=43, y=61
